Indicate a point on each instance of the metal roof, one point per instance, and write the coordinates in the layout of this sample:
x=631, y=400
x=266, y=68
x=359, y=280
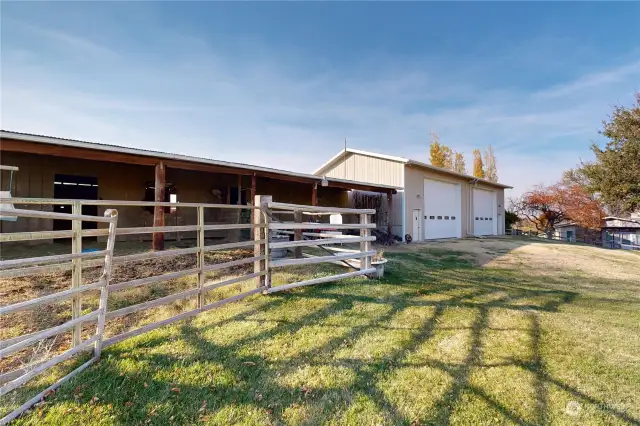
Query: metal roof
x=407, y=161
x=51, y=140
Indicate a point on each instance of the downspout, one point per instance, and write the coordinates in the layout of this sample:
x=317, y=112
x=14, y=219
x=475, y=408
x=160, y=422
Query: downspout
x=404, y=203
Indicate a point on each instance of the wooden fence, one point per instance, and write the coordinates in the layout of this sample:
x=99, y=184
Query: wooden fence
x=264, y=222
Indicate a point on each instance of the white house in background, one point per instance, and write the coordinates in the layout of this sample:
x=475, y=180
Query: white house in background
x=433, y=202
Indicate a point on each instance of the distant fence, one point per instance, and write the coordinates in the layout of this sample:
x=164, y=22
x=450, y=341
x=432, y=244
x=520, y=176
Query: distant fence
x=265, y=224
x=617, y=242
x=573, y=239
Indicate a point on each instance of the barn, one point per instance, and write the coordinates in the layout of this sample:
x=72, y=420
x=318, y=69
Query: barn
x=36, y=166
x=432, y=202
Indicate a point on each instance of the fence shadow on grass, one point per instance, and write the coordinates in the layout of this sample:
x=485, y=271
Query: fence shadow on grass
x=185, y=375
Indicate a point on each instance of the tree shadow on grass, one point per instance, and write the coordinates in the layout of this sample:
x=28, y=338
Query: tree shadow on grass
x=196, y=378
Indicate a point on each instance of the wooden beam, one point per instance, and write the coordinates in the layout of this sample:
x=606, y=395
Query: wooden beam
x=228, y=194
x=238, y=201
x=158, y=211
x=314, y=194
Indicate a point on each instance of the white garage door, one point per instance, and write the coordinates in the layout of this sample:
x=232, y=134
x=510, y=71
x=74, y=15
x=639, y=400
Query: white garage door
x=442, y=218
x=484, y=212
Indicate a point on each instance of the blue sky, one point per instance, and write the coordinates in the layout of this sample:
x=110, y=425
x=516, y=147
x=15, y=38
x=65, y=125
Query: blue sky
x=283, y=84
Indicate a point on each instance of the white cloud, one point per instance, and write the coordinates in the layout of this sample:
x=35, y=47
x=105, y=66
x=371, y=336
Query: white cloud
x=192, y=100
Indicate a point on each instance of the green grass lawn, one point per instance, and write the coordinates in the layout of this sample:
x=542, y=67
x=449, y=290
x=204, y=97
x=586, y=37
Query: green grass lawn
x=438, y=341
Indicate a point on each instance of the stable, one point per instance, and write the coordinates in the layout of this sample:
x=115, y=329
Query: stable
x=432, y=202
x=56, y=168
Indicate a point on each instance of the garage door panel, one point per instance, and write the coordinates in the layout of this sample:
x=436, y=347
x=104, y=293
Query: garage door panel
x=484, y=212
x=442, y=218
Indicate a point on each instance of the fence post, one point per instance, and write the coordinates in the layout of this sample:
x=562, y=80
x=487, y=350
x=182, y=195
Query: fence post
x=297, y=218
x=76, y=274
x=200, y=256
x=106, y=278
x=261, y=217
x=365, y=263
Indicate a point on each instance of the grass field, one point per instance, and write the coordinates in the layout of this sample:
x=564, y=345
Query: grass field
x=470, y=332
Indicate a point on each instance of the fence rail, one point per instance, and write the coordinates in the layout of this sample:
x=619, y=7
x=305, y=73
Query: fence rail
x=265, y=224
x=22, y=376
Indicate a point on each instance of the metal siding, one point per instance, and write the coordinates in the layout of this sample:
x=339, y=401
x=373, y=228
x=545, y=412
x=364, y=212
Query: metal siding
x=368, y=169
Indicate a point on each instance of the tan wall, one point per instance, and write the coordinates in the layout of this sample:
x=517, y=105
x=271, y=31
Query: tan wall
x=127, y=182
x=414, y=193
x=363, y=168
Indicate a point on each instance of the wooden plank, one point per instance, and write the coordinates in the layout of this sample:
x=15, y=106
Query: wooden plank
x=319, y=259
x=321, y=280
x=39, y=397
x=318, y=209
x=320, y=242
x=324, y=226
x=152, y=303
x=61, y=295
x=320, y=234
x=233, y=226
x=86, y=345
x=6, y=264
x=158, y=211
x=42, y=214
x=353, y=263
x=233, y=281
x=156, y=230
x=227, y=246
x=118, y=203
x=218, y=266
x=32, y=236
x=154, y=279
x=118, y=260
x=10, y=346
x=23, y=272
x=345, y=250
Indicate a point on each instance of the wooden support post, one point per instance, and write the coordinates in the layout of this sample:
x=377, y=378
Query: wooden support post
x=314, y=194
x=158, y=211
x=261, y=201
x=297, y=218
x=365, y=263
x=201, y=256
x=389, y=212
x=228, y=195
x=76, y=274
x=239, y=200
